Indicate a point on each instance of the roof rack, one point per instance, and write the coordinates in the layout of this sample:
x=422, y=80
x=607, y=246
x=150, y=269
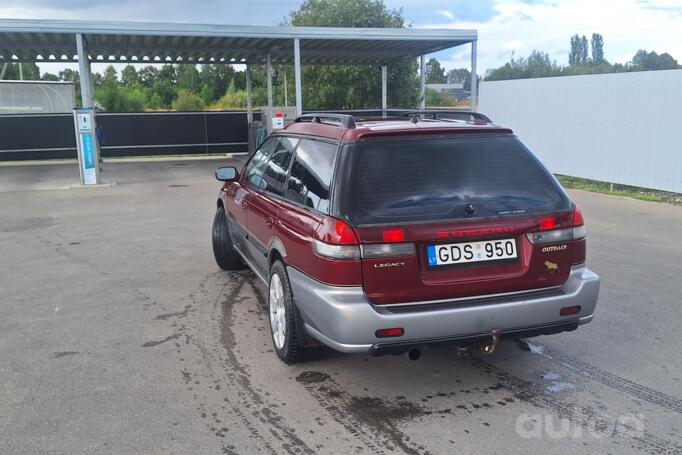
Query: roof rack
x=447, y=114
x=346, y=121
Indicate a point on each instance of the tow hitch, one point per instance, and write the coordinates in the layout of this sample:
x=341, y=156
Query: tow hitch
x=489, y=348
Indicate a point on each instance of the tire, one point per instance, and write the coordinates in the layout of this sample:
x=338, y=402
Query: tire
x=282, y=311
x=225, y=255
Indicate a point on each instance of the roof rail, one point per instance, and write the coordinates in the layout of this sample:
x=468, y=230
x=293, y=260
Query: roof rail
x=346, y=121
x=447, y=114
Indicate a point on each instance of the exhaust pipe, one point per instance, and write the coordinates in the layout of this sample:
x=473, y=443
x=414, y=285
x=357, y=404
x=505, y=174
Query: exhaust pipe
x=414, y=354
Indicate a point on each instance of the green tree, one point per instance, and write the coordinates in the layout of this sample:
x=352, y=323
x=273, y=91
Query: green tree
x=460, y=75
x=597, y=49
x=434, y=73
x=574, y=53
x=217, y=78
x=129, y=76
x=358, y=86
x=438, y=98
x=120, y=99
x=584, y=55
x=50, y=77
x=232, y=99
x=29, y=72
x=166, y=92
x=537, y=64
x=148, y=75
x=109, y=77
x=188, y=78
x=188, y=101
x=649, y=61
x=168, y=73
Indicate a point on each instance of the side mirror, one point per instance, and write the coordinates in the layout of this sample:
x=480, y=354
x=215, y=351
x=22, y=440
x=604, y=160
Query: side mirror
x=227, y=174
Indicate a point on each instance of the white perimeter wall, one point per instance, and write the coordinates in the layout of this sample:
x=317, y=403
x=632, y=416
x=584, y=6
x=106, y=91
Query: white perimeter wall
x=624, y=128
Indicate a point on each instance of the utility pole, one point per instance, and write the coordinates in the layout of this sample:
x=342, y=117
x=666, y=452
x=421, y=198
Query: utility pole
x=21, y=72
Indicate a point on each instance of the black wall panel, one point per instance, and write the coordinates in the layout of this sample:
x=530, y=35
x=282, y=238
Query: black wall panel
x=50, y=136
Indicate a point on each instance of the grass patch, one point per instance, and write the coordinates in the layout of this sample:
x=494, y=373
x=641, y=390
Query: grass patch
x=596, y=186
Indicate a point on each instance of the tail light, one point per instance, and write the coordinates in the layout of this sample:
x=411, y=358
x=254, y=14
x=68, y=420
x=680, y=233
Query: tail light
x=391, y=248
x=387, y=250
x=336, y=240
x=546, y=233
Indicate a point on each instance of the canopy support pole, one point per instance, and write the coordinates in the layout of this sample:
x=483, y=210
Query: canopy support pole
x=474, y=78
x=297, y=76
x=384, y=84
x=268, y=71
x=422, y=84
x=249, y=94
x=84, y=71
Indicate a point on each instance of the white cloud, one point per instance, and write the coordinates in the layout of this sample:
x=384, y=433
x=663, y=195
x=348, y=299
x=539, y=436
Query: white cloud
x=626, y=26
x=447, y=14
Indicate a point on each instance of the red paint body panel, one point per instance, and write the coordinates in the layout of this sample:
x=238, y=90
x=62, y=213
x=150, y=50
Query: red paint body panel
x=296, y=229
x=415, y=281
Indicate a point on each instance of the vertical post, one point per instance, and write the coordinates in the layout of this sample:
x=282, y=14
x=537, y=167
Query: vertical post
x=474, y=78
x=286, y=90
x=297, y=76
x=422, y=84
x=268, y=71
x=249, y=104
x=384, y=84
x=2, y=73
x=84, y=71
x=21, y=71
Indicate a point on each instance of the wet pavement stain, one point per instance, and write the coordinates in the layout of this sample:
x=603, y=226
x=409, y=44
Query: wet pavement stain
x=373, y=420
x=150, y=344
x=177, y=314
x=59, y=355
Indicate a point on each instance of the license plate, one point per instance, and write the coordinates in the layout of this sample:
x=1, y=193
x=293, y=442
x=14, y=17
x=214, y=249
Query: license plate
x=471, y=252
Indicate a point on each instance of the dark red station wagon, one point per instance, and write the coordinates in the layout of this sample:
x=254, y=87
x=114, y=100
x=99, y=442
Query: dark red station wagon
x=384, y=235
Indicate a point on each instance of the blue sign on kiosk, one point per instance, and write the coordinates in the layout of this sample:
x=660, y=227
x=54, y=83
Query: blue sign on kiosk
x=88, y=153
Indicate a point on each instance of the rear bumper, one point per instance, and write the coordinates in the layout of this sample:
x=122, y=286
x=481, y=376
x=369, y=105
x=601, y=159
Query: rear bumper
x=344, y=319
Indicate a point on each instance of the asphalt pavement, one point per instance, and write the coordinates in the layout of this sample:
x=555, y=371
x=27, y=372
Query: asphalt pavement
x=119, y=334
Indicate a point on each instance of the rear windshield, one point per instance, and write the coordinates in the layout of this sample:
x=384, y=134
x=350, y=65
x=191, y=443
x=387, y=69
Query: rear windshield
x=425, y=180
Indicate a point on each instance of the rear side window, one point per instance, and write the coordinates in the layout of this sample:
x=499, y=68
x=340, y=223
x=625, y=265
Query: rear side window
x=311, y=174
x=275, y=174
x=254, y=170
x=417, y=180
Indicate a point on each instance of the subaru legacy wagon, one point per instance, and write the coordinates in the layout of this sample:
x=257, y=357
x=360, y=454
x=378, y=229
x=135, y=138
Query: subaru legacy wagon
x=384, y=235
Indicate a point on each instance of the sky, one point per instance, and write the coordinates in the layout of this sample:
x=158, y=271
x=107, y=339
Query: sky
x=504, y=26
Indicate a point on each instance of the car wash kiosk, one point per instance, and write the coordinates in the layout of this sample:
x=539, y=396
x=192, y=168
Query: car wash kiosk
x=88, y=150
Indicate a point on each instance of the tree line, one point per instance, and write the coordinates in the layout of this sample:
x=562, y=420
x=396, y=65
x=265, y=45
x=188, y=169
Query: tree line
x=583, y=58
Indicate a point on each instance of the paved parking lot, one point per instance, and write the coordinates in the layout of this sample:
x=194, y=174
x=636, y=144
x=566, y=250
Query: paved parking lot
x=119, y=334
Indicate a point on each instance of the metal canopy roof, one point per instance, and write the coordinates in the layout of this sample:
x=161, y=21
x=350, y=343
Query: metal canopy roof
x=147, y=42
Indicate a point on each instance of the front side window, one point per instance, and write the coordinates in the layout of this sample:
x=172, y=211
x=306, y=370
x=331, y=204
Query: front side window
x=254, y=170
x=311, y=174
x=275, y=174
